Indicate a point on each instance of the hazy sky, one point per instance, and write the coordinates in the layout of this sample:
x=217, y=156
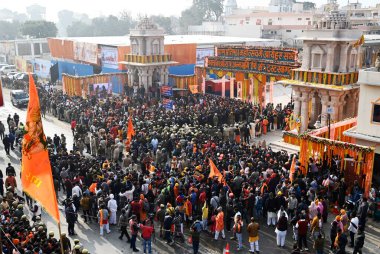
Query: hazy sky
x=105, y=7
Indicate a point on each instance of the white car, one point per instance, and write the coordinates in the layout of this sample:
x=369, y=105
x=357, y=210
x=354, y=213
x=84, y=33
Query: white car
x=7, y=69
x=11, y=75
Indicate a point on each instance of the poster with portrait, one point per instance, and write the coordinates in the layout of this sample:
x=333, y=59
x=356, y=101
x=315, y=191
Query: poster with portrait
x=202, y=53
x=41, y=68
x=109, y=57
x=86, y=52
x=100, y=88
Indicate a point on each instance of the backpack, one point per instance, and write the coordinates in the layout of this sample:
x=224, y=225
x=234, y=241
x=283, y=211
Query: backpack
x=196, y=227
x=146, y=206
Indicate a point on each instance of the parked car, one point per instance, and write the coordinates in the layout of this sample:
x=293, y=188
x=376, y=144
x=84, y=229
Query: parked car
x=19, y=98
x=8, y=68
x=21, y=80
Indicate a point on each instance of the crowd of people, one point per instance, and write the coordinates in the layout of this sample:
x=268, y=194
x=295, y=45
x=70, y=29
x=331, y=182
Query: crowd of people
x=158, y=182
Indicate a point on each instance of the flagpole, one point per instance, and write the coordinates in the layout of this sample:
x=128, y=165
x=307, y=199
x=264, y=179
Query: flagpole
x=60, y=237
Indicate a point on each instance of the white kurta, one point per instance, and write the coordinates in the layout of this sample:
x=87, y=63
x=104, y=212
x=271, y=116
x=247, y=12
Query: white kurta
x=112, y=206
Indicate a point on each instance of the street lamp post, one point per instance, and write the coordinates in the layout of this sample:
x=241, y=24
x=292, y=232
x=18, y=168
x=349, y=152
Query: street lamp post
x=318, y=123
x=329, y=124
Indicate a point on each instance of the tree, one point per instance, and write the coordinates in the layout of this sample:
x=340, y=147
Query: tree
x=163, y=22
x=190, y=17
x=308, y=6
x=201, y=10
x=101, y=26
x=210, y=9
x=39, y=29
x=9, y=30
x=79, y=29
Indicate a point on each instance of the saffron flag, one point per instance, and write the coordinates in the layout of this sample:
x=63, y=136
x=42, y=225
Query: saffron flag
x=292, y=169
x=214, y=172
x=359, y=42
x=131, y=131
x=36, y=174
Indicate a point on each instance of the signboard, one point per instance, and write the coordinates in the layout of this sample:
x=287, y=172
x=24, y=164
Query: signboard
x=100, y=87
x=249, y=66
x=86, y=52
x=330, y=110
x=258, y=53
x=42, y=68
x=167, y=103
x=202, y=53
x=109, y=57
x=166, y=90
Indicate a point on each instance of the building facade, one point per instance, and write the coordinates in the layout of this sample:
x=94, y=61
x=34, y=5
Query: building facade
x=325, y=85
x=147, y=63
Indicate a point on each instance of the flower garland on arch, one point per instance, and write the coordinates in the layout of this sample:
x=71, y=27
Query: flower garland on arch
x=331, y=143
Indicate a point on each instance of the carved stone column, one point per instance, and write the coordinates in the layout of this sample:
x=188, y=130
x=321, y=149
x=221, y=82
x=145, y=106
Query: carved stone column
x=305, y=108
x=316, y=101
x=330, y=57
x=150, y=77
x=342, y=104
x=324, y=94
x=306, y=57
x=297, y=101
x=343, y=58
x=335, y=103
x=350, y=105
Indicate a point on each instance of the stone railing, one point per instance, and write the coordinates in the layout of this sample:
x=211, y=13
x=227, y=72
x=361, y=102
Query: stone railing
x=147, y=59
x=315, y=77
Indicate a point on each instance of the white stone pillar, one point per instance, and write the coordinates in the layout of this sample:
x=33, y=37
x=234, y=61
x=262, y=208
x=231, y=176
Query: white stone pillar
x=343, y=58
x=162, y=76
x=350, y=108
x=330, y=57
x=32, y=48
x=342, y=104
x=325, y=100
x=335, y=103
x=356, y=102
x=140, y=77
x=148, y=49
x=325, y=105
x=297, y=102
x=166, y=75
x=316, y=101
x=304, y=113
x=306, y=57
x=150, y=77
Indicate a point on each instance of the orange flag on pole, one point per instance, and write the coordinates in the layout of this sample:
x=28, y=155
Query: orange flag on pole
x=131, y=131
x=214, y=172
x=36, y=174
x=292, y=169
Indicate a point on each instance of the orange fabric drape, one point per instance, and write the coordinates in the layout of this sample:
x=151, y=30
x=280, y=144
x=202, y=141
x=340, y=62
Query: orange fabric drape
x=36, y=177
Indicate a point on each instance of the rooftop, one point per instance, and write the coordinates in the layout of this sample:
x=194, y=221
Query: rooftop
x=169, y=40
x=355, y=134
x=370, y=76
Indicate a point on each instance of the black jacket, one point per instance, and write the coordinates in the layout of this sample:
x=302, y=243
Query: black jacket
x=359, y=241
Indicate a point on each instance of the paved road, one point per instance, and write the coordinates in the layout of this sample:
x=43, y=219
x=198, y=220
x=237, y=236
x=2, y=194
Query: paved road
x=88, y=234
